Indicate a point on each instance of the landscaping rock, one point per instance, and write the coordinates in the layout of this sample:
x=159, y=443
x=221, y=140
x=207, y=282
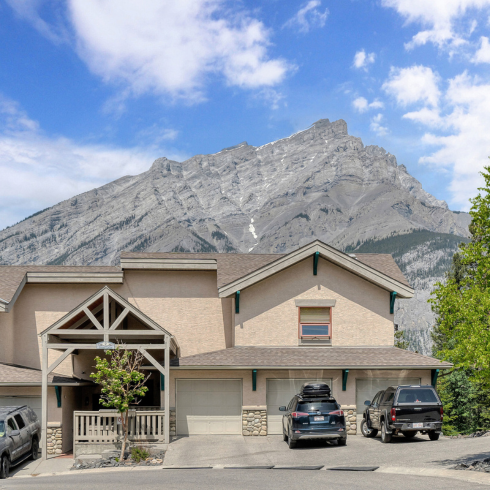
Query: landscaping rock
x=111, y=461
x=478, y=465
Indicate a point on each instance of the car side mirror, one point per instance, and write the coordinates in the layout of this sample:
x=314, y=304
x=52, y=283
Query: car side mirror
x=367, y=403
x=14, y=433
x=282, y=409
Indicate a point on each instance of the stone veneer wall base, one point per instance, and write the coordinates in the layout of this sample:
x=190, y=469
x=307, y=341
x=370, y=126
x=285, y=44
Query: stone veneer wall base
x=350, y=413
x=254, y=422
x=54, y=437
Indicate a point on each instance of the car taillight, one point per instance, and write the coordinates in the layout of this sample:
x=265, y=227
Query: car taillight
x=337, y=412
x=296, y=415
x=442, y=413
x=393, y=414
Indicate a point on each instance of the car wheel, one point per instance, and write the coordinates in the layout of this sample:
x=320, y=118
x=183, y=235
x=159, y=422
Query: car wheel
x=342, y=442
x=409, y=435
x=366, y=431
x=433, y=436
x=386, y=438
x=291, y=443
x=35, y=449
x=5, y=467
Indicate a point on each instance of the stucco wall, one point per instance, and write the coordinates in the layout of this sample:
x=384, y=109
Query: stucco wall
x=186, y=304
x=54, y=413
x=268, y=314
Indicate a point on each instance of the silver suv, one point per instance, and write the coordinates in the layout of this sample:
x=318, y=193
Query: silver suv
x=20, y=433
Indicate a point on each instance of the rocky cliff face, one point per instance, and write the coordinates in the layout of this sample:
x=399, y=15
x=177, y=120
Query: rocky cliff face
x=318, y=183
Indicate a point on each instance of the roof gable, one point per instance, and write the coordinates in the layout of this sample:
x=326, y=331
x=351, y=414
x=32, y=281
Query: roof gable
x=341, y=259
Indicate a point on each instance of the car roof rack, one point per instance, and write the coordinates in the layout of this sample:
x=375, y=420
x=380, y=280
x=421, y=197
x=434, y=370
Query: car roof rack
x=8, y=410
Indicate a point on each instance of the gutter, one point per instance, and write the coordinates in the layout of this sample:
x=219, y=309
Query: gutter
x=358, y=368
x=49, y=384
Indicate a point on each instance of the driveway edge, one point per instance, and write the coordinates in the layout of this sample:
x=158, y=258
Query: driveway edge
x=469, y=476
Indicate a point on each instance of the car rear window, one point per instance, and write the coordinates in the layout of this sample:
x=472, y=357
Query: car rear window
x=417, y=395
x=316, y=406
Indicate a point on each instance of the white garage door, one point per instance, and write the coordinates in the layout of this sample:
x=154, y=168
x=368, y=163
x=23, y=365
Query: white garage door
x=15, y=401
x=279, y=393
x=367, y=388
x=209, y=406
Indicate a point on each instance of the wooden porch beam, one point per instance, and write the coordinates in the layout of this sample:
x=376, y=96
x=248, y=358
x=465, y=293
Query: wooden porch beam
x=94, y=346
x=153, y=360
x=93, y=319
x=60, y=360
x=106, y=311
x=119, y=319
x=111, y=333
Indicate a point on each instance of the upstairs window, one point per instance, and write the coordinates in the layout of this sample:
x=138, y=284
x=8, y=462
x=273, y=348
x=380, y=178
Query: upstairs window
x=315, y=322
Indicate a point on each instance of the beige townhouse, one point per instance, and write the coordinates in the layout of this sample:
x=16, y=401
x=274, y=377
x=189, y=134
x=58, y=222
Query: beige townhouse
x=227, y=339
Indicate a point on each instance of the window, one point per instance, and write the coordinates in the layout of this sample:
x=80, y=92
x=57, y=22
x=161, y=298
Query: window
x=317, y=406
x=389, y=395
x=417, y=395
x=20, y=421
x=314, y=322
x=11, y=425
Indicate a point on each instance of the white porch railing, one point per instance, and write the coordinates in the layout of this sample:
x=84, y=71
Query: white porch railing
x=103, y=427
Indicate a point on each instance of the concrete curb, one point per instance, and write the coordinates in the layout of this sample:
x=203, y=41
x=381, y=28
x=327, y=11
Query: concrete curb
x=469, y=476
x=462, y=475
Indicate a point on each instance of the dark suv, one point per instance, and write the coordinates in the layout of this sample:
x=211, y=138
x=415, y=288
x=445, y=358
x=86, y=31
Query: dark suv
x=404, y=410
x=20, y=432
x=313, y=417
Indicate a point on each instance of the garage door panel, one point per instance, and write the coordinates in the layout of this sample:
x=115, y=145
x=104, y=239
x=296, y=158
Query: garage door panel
x=209, y=407
x=279, y=393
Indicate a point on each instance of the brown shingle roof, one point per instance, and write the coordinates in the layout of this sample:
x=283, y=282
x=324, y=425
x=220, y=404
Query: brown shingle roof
x=230, y=266
x=234, y=266
x=383, y=263
x=13, y=373
x=308, y=357
x=11, y=275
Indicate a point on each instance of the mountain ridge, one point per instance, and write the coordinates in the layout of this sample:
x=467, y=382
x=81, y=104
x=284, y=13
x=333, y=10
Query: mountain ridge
x=320, y=183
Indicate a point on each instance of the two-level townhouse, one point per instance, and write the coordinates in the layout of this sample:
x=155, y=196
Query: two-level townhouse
x=228, y=337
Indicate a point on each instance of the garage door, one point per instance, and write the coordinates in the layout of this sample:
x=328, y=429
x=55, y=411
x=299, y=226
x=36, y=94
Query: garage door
x=209, y=406
x=367, y=388
x=279, y=393
x=14, y=401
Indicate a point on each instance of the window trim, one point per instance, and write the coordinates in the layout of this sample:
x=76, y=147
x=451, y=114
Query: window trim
x=322, y=337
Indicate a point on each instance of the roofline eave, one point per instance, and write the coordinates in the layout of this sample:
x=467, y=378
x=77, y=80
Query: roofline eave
x=326, y=252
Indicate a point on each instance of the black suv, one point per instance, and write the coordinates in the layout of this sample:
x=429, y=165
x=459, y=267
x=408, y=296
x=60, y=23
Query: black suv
x=313, y=414
x=403, y=410
x=20, y=432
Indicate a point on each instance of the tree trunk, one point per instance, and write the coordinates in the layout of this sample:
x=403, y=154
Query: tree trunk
x=125, y=430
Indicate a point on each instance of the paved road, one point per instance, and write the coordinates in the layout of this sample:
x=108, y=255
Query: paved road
x=235, y=479
x=419, y=452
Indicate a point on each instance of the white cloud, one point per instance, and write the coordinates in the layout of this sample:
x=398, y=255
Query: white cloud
x=426, y=116
x=39, y=171
x=166, y=47
x=308, y=16
x=442, y=19
x=361, y=104
x=483, y=54
x=376, y=125
x=414, y=84
x=363, y=59
x=463, y=147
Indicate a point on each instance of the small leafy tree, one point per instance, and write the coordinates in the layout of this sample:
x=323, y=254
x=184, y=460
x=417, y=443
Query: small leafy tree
x=400, y=340
x=122, y=383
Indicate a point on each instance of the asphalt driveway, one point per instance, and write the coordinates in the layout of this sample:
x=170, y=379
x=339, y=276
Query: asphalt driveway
x=272, y=450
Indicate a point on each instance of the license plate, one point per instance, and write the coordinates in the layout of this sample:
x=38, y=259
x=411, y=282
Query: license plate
x=317, y=418
x=417, y=426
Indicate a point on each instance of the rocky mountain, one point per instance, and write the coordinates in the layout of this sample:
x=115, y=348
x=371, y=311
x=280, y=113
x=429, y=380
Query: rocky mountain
x=318, y=183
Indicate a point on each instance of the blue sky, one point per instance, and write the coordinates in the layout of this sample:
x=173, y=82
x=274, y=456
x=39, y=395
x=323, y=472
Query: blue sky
x=94, y=90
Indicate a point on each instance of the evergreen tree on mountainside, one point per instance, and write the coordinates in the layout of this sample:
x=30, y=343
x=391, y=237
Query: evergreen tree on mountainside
x=462, y=331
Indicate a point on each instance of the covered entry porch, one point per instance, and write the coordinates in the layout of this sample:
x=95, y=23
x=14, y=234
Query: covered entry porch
x=106, y=321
